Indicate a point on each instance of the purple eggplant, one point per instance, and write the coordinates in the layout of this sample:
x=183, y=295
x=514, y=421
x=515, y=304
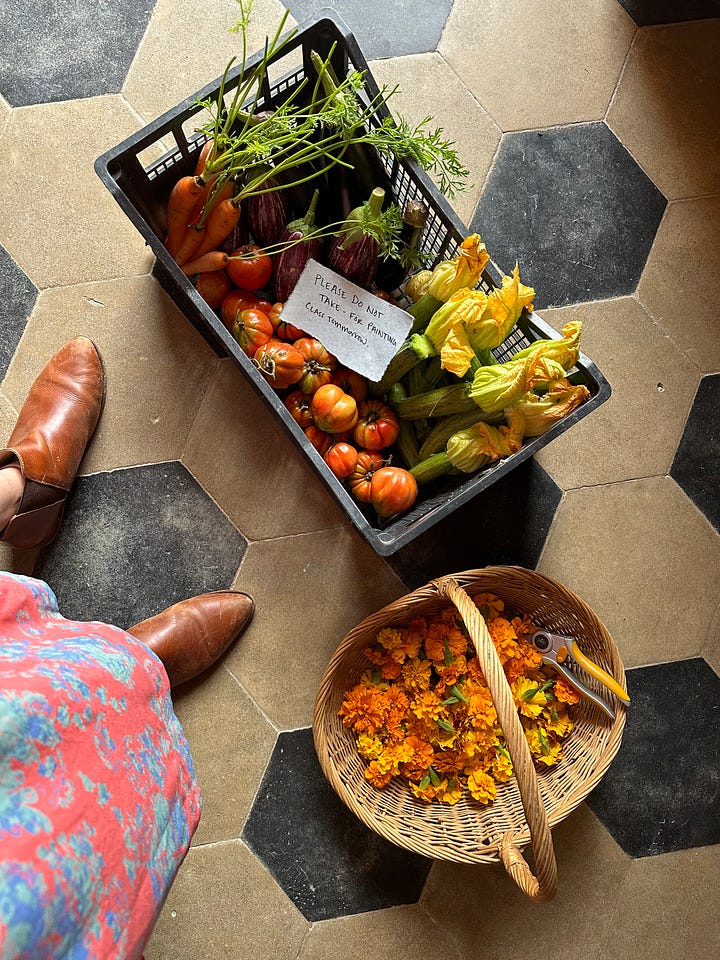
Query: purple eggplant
x=355, y=250
x=291, y=262
x=267, y=213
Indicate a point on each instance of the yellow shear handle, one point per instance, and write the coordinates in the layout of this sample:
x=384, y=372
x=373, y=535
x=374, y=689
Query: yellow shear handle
x=595, y=671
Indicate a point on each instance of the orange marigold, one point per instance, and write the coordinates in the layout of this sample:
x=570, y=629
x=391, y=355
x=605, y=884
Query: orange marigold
x=364, y=709
x=416, y=675
x=564, y=692
x=504, y=637
x=380, y=772
x=422, y=757
x=427, y=706
x=481, y=786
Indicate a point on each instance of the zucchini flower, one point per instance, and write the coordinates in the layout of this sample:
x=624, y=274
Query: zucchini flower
x=541, y=412
x=504, y=306
x=565, y=351
x=463, y=270
x=448, y=331
x=499, y=385
x=469, y=450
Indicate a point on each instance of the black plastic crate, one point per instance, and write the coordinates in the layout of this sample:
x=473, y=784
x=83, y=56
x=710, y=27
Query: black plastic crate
x=142, y=191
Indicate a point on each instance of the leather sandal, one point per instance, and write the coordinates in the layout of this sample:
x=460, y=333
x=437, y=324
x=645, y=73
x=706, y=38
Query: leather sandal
x=50, y=437
x=191, y=635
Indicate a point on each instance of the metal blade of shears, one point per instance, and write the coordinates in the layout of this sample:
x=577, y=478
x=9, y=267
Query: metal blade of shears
x=581, y=688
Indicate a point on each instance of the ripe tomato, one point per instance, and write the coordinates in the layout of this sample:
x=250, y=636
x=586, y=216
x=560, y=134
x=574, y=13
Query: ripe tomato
x=274, y=315
x=213, y=287
x=333, y=410
x=252, y=329
x=353, y=383
x=252, y=269
x=377, y=426
x=280, y=363
x=237, y=301
x=321, y=440
x=288, y=331
x=298, y=403
x=342, y=459
x=361, y=478
x=319, y=364
x=392, y=490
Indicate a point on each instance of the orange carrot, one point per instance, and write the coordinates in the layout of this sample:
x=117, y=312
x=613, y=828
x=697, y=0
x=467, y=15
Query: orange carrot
x=219, y=224
x=196, y=232
x=215, y=260
x=183, y=197
x=202, y=159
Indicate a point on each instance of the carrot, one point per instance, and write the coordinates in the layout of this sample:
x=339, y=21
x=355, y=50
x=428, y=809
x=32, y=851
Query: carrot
x=181, y=202
x=196, y=231
x=219, y=225
x=202, y=159
x=215, y=260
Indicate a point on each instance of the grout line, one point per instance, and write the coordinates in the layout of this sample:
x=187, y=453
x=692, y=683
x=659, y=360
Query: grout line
x=621, y=75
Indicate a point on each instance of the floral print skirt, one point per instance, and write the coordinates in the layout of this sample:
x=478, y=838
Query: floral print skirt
x=98, y=796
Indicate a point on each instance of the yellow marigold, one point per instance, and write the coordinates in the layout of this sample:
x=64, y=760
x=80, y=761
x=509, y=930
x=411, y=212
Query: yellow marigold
x=416, y=675
x=503, y=637
x=380, y=772
x=425, y=792
x=442, y=737
x=420, y=760
x=542, y=747
x=369, y=748
x=529, y=696
x=427, y=706
x=481, y=786
x=449, y=791
x=477, y=743
x=564, y=692
x=501, y=766
x=557, y=721
x=364, y=709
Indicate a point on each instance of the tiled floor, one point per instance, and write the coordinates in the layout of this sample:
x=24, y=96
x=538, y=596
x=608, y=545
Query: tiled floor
x=591, y=131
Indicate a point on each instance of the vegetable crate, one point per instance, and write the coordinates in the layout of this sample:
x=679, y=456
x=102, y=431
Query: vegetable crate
x=528, y=804
x=140, y=173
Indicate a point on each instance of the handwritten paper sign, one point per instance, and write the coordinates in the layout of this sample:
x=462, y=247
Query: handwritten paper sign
x=361, y=330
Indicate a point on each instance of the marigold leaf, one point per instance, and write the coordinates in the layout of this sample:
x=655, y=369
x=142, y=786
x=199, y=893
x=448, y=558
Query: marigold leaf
x=447, y=727
x=425, y=782
x=450, y=700
x=448, y=653
x=458, y=693
x=434, y=778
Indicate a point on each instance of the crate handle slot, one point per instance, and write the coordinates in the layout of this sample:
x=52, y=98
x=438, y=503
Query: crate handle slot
x=542, y=887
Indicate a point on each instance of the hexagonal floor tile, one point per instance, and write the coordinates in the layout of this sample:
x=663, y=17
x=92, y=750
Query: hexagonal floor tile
x=324, y=858
x=506, y=524
x=385, y=29
x=573, y=207
x=17, y=298
x=645, y=12
x=697, y=461
x=135, y=541
x=69, y=50
x=660, y=793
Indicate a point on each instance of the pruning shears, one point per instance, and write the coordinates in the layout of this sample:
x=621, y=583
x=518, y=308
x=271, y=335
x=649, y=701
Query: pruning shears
x=558, y=651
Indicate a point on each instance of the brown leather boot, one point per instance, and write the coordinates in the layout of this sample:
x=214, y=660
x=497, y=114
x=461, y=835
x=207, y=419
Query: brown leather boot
x=54, y=427
x=190, y=636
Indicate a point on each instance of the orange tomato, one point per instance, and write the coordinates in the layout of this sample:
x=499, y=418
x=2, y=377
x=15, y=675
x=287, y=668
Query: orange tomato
x=377, y=426
x=342, y=459
x=392, y=490
x=334, y=410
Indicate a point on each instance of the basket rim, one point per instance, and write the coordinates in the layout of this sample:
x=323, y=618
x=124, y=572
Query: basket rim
x=473, y=581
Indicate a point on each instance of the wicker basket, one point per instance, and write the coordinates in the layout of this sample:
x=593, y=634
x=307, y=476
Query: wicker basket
x=530, y=803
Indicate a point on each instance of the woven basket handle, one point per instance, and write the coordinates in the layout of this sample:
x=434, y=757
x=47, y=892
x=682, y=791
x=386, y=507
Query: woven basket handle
x=542, y=887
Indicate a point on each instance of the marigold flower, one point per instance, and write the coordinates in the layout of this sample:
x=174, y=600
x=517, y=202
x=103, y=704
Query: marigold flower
x=416, y=675
x=542, y=747
x=557, y=721
x=481, y=786
x=427, y=706
x=489, y=605
x=481, y=710
x=368, y=747
x=380, y=772
x=420, y=760
x=364, y=710
x=425, y=792
x=501, y=766
x=565, y=692
x=449, y=791
x=529, y=696
x=503, y=637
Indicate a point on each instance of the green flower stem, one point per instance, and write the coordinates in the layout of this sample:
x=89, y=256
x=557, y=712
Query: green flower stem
x=438, y=437
x=437, y=403
x=431, y=468
x=422, y=312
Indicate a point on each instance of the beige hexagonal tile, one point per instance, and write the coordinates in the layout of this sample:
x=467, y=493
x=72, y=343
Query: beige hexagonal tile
x=57, y=219
x=4, y=113
x=532, y=64
x=666, y=110
x=636, y=431
x=394, y=933
x=224, y=905
x=157, y=365
x=187, y=46
x=428, y=86
x=678, y=285
x=309, y=591
x=484, y=911
x=666, y=908
x=645, y=559
x=244, y=456
x=230, y=742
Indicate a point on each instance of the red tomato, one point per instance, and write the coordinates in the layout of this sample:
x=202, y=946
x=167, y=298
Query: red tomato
x=280, y=363
x=252, y=269
x=392, y=490
x=377, y=426
x=342, y=459
x=333, y=410
x=298, y=403
x=237, y=301
x=213, y=287
x=319, y=364
x=351, y=382
x=319, y=439
x=252, y=329
x=361, y=478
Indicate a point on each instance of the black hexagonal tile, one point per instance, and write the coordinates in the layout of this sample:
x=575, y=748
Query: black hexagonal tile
x=662, y=791
x=384, y=29
x=696, y=466
x=505, y=524
x=17, y=298
x=645, y=12
x=135, y=541
x=324, y=858
x=574, y=208
x=65, y=50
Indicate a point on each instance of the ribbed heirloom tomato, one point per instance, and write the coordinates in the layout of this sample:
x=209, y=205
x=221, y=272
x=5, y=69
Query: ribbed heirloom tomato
x=360, y=479
x=333, y=410
x=319, y=364
x=351, y=382
x=342, y=459
x=392, y=490
x=280, y=363
x=237, y=301
x=298, y=403
x=377, y=426
x=251, y=330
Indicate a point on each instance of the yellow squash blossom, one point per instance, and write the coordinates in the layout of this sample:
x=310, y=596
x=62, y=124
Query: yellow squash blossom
x=541, y=412
x=468, y=450
x=564, y=351
x=499, y=385
x=464, y=270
